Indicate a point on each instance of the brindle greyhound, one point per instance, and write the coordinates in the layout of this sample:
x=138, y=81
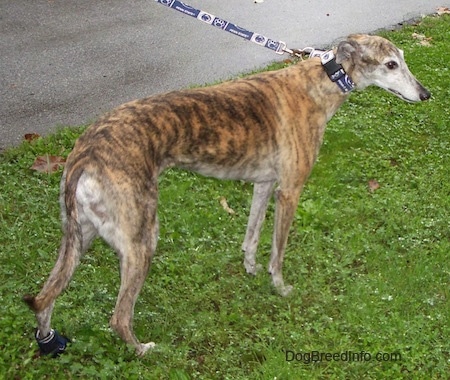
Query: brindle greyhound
x=266, y=129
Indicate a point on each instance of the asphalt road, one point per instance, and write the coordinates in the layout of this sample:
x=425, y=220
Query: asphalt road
x=65, y=62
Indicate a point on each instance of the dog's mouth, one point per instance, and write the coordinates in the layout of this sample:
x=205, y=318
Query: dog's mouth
x=401, y=96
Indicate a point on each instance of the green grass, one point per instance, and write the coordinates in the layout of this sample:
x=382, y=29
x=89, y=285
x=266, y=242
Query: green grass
x=370, y=269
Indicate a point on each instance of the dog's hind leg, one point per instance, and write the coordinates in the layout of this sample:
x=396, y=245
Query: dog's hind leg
x=78, y=235
x=261, y=195
x=49, y=341
x=135, y=254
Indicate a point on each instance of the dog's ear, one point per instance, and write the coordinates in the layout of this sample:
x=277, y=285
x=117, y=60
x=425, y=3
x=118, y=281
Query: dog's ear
x=346, y=50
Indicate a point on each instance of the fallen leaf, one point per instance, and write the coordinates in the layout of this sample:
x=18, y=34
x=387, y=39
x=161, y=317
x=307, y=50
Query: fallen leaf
x=224, y=204
x=48, y=164
x=373, y=185
x=393, y=161
x=423, y=40
x=443, y=10
x=31, y=136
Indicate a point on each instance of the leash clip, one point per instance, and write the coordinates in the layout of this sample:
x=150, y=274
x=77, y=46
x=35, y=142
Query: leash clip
x=308, y=51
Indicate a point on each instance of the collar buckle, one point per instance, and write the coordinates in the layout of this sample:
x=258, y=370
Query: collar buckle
x=336, y=72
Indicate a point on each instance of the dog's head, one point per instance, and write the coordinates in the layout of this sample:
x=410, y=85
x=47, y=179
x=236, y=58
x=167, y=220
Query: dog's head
x=373, y=60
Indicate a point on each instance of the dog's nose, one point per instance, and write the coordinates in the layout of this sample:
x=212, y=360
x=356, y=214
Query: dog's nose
x=425, y=95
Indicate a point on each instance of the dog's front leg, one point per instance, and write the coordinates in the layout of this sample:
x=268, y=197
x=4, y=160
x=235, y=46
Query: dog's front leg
x=261, y=195
x=286, y=205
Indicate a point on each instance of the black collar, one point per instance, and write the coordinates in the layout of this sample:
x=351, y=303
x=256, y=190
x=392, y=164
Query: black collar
x=336, y=72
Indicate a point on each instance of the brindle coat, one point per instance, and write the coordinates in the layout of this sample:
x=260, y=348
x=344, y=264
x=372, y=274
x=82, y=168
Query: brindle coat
x=265, y=129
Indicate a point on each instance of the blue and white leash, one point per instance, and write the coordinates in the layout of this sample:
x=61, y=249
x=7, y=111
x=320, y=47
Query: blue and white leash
x=278, y=47
x=335, y=71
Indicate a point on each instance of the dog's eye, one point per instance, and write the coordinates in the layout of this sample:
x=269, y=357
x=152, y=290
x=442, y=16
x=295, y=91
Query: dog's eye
x=391, y=65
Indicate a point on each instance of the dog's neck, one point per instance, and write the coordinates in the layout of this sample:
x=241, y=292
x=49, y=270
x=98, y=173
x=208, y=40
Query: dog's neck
x=336, y=72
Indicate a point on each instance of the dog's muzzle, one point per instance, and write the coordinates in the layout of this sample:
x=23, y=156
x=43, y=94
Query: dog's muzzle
x=53, y=344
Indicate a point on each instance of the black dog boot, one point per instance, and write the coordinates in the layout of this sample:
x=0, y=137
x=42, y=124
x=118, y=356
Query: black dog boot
x=53, y=344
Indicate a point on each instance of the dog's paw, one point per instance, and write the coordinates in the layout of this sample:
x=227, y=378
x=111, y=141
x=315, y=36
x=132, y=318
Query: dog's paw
x=53, y=344
x=252, y=268
x=144, y=347
x=285, y=290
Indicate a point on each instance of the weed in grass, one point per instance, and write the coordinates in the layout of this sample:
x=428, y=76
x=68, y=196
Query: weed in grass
x=370, y=268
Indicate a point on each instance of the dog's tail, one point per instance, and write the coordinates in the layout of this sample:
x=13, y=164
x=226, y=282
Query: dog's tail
x=70, y=250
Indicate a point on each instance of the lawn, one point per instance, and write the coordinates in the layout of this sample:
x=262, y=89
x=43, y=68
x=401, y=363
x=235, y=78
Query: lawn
x=367, y=255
